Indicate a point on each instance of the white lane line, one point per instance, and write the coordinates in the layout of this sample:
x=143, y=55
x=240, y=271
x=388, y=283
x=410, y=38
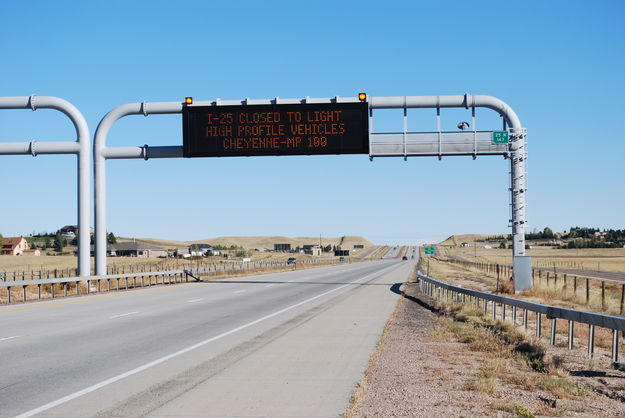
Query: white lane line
x=195, y=300
x=239, y=291
x=269, y=285
x=9, y=338
x=190, y=348
x=124, y=314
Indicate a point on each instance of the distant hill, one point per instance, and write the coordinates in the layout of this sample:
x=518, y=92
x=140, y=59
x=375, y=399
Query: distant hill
x=346, y=242
x=459, y=239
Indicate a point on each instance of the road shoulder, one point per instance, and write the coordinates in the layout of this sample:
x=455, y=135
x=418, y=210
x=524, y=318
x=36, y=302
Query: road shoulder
x=422, y=369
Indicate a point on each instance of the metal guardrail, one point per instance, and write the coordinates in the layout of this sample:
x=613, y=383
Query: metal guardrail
x=167, y=277
x=554, y=276
x=441, y=290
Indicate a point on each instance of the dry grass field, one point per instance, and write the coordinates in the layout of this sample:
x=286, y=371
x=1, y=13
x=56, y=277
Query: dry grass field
x=576, y=293
x=607, y=259
x=551, y=294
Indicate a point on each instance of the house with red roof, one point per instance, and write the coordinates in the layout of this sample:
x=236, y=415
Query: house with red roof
x=14, y=246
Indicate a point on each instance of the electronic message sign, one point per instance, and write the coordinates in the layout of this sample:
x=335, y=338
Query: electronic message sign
x=276, y=129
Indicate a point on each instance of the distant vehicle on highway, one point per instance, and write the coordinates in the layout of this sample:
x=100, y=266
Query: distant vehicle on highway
x=404, y=258
x=341, y=258
x=291, y=260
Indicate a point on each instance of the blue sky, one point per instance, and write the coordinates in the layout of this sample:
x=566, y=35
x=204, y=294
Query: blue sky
x=559, y=64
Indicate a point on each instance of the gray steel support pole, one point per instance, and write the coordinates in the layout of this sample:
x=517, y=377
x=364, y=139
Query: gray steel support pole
x=81, y=148
x=518, y=151
x=101, y=153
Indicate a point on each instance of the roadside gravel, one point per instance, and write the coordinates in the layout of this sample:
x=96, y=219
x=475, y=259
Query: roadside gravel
x=419, y=371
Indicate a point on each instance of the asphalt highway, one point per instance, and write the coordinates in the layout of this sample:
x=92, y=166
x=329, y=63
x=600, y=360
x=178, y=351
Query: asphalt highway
x=392, y=253
x=291, y=343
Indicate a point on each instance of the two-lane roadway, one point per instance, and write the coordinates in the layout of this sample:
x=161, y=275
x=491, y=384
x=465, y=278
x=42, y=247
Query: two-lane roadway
x=291, y=343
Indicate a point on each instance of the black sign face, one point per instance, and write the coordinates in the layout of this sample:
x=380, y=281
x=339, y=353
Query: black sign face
x=282, y=129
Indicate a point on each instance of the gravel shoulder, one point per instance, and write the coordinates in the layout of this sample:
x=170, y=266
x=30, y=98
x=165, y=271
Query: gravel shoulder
x=421, y=369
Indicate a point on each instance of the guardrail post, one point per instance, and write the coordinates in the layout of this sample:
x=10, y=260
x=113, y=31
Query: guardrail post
x=539, y=324
x=24, y=293
x=622, y=298
x=65, y=286
x=9, y=294
x=552, y=340
x=514, y=315
x=591, y=340
x=77, y=288
x=485, y=306
x=52, y=290
x=39, y=292
x=614, y=346
x=503, y=311
x=571, y=333
x=494, y=310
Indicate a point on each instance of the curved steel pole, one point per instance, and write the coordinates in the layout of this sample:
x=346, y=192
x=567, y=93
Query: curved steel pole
x=81, y=147
x=518, y=152
x=99, y=166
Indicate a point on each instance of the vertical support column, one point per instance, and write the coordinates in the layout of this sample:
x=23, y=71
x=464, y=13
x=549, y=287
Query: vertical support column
x=614, y=346
x=525, y=319
x=518, y=156
x=591, y=340
x=571, y=333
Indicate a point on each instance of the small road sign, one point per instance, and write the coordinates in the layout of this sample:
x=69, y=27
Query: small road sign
x=500, y=137
x=429, y=250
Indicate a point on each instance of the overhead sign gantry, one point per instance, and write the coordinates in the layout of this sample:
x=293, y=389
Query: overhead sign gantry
x=312, y=126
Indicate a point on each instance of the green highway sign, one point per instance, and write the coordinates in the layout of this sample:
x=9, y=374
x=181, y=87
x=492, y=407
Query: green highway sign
x=429, y=250
x=500, y=137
